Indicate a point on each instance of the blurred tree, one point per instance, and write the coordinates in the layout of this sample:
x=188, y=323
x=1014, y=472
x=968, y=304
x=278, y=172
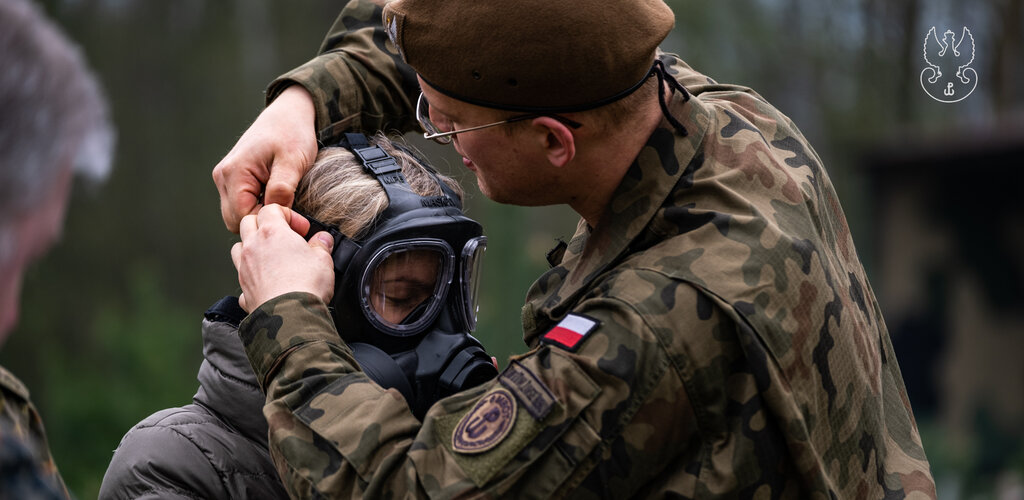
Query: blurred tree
x=1007, y=72
x=110, y=328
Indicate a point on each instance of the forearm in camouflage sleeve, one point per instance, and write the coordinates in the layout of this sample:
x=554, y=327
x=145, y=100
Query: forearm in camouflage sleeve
x=334, y=432
x=358, y=81
x=303, y=366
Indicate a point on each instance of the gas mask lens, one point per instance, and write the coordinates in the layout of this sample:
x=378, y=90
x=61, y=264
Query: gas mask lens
x=405, y=286
x=472, y=263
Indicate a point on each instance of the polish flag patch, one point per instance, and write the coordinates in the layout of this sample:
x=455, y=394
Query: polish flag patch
x=571, y=331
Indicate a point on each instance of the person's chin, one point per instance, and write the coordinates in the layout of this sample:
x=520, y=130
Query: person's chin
x=485, y=189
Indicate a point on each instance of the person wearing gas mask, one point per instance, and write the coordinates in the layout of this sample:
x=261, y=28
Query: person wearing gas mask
x=708, y=332
x=419, y=250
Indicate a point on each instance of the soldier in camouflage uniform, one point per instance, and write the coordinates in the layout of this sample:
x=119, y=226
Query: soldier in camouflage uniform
x=709, y=330
x=53, y=124
x=27, y=469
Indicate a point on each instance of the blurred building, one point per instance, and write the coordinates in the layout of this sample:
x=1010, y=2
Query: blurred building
x=947, y=263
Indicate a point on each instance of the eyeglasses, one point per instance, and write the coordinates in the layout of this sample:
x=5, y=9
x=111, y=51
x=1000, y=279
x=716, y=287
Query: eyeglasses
x=435, y=134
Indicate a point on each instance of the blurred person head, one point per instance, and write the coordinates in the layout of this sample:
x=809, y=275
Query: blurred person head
x=53, y=124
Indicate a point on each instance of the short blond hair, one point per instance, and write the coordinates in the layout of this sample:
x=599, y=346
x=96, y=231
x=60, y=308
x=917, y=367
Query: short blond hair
x=339, y=192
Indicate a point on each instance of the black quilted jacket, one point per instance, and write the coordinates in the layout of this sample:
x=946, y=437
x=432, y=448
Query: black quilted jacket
x=215, y=447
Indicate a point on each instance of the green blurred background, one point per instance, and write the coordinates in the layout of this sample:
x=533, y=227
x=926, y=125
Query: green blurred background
x=110, y=321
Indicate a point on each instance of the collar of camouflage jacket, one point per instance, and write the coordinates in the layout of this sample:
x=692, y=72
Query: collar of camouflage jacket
x=647, y=184
x=12, y=384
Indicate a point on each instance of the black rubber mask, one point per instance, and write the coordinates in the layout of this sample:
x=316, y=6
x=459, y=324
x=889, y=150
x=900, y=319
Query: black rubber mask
x=405, y=297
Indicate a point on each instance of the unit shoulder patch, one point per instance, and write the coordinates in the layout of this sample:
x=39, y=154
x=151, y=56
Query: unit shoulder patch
x=570, y=333
x=530, y=390
x=487, y=424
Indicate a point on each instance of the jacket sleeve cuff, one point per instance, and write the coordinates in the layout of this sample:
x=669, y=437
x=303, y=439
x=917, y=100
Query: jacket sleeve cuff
x=282, y=324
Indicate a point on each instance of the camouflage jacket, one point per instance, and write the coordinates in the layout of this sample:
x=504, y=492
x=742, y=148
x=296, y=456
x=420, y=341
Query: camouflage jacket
x=28, y=470
x=715, y=336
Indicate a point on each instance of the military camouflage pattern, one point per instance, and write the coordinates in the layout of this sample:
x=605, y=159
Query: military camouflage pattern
x=739, y=351
x=356, y=82
x=26, y=468
x=733, y=300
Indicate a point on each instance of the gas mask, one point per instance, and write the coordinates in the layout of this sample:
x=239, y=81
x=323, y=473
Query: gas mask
x=405, y=296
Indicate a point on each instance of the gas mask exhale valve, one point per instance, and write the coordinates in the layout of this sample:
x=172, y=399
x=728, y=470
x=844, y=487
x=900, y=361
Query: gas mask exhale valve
x=405, y=297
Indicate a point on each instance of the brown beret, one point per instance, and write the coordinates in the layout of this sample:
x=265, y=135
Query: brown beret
x=530, y=55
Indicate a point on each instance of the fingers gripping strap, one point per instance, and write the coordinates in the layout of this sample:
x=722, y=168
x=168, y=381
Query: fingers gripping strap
x=315, y=226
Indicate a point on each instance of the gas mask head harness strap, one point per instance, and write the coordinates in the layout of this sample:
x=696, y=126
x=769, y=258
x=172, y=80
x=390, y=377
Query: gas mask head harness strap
x=405, y=297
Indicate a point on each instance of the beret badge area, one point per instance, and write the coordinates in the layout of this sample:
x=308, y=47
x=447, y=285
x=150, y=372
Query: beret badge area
x=393, y=27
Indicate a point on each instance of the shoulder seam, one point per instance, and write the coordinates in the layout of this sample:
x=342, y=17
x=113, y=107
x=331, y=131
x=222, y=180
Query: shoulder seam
x=676, y=369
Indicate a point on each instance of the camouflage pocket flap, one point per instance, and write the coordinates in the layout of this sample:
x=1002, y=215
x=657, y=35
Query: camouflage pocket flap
x=532, y=416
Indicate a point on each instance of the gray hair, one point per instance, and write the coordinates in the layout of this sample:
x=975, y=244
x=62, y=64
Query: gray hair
x=53, y=115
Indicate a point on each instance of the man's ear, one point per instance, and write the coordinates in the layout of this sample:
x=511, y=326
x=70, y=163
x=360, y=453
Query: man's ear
x=557, y=140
